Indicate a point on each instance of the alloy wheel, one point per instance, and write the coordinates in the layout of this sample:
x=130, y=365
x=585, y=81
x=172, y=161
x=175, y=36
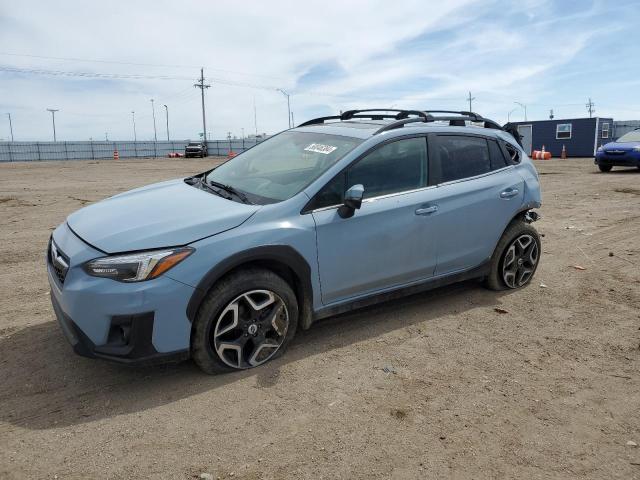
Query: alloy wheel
x=250, y=329
x=520, y=261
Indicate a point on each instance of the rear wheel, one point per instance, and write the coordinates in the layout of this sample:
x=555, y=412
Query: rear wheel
x=604, y=168
x=516, y=257
x=247, y=319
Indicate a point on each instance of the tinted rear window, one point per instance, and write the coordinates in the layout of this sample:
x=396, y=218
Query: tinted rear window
x=462, y=157
x=497, y=156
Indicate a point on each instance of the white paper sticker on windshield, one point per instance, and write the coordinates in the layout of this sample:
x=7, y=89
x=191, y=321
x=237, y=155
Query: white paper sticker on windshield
x=319, y=148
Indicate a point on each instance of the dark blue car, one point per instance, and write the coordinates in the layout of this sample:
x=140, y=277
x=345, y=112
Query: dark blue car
x=625, y=152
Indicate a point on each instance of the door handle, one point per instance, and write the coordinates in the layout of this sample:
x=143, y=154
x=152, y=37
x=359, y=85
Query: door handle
x=508, y=193
x=427, y=210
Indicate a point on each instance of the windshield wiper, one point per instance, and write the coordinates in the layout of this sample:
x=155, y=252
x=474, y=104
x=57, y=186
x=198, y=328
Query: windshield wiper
x=230, y=189
x=202, y=184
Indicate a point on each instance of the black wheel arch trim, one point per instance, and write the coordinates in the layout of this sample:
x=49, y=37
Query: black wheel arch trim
x=283, y=255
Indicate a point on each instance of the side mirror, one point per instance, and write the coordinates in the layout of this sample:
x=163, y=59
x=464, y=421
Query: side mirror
x=352, y=201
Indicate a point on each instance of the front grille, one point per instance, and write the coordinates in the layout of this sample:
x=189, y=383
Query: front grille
x=58, y=261
x=615, y=152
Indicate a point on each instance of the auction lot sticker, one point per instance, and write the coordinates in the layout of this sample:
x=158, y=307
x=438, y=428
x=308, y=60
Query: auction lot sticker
x=319, y=148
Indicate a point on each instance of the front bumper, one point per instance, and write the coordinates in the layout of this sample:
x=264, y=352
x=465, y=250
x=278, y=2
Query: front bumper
x=130, y=323
x=626, y=159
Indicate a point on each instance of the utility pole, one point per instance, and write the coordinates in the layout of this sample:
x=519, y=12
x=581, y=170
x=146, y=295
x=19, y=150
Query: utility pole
x=524, y=107
x=255, y=116
x=590, y=108
x=288, y=105
x=106, y=137
x=153, y=109
x=53, y=118
x=470, y=99
x=133, y=117
x=201, y=85
x=10, y=126
x=167, y=112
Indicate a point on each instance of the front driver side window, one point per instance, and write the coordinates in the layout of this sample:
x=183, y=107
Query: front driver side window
x=395, y=167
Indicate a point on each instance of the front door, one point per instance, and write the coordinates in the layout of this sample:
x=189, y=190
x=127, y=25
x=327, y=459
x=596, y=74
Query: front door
x=389, y=241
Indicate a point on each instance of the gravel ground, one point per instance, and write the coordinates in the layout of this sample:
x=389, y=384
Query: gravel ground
x=437, y=385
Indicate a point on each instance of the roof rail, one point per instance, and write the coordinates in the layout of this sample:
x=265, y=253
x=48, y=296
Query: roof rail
x=368, y=113
x=404, y=117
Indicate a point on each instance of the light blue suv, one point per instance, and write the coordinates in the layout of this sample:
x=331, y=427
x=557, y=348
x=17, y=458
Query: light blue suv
x=338, y=213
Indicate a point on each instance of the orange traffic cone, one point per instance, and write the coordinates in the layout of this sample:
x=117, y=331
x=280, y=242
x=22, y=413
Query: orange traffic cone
x=116, y=155
x=563, y=155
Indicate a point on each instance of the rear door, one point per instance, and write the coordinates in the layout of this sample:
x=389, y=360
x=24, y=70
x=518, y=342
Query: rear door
x=389, y=241
x=479, y=192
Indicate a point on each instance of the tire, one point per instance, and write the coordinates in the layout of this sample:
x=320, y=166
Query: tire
x=236, y=328
x=605, y=168
x=500, y=278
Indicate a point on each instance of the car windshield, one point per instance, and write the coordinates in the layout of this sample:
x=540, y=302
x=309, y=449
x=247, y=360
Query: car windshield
x=630, y=137
x=283, y=165
x=194, y=144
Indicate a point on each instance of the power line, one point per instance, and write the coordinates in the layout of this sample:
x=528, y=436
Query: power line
x=138, y=64
x=126, y=76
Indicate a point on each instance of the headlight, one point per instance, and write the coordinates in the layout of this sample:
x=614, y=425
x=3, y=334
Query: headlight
x=137, y=267
x=600, y=148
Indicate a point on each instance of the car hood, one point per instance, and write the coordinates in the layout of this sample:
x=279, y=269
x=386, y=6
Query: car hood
x=160, y=215
x=621, y=146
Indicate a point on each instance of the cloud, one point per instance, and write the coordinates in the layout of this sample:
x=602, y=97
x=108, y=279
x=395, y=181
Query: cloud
x=330, y=55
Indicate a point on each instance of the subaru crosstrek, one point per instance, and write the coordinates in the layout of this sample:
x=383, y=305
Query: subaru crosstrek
x=624, y=152
x=338, y=213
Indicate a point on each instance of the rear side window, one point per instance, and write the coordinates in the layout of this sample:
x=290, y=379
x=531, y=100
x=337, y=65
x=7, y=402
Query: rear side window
x=497, y=157
x=462, y=157
x=513, y=154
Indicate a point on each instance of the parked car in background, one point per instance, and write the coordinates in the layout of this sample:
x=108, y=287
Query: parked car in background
x=341, y=212
x=196, y=149
x=624, y=152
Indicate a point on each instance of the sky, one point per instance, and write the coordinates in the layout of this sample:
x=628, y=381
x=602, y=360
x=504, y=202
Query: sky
x=97, y=62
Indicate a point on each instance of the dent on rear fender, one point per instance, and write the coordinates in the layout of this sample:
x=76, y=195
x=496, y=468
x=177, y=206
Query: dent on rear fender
x=532, y=197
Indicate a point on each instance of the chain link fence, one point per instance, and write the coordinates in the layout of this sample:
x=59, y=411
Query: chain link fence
x=39, y=151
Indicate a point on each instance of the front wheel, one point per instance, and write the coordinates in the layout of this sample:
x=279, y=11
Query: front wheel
x=604, y=168
x=247, y=319
x=515, y=258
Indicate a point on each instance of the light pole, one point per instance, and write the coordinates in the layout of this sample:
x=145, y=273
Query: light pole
x=288, y=105
x=509, y=114
x=524, y=107
x=155, y=133
x=10, y=126
x=106, y=136
x=167, y=112
x=53, y=118
x=242, y=133
x=133, y=117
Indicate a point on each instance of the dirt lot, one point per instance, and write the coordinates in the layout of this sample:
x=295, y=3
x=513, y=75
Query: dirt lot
x=438, y=385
